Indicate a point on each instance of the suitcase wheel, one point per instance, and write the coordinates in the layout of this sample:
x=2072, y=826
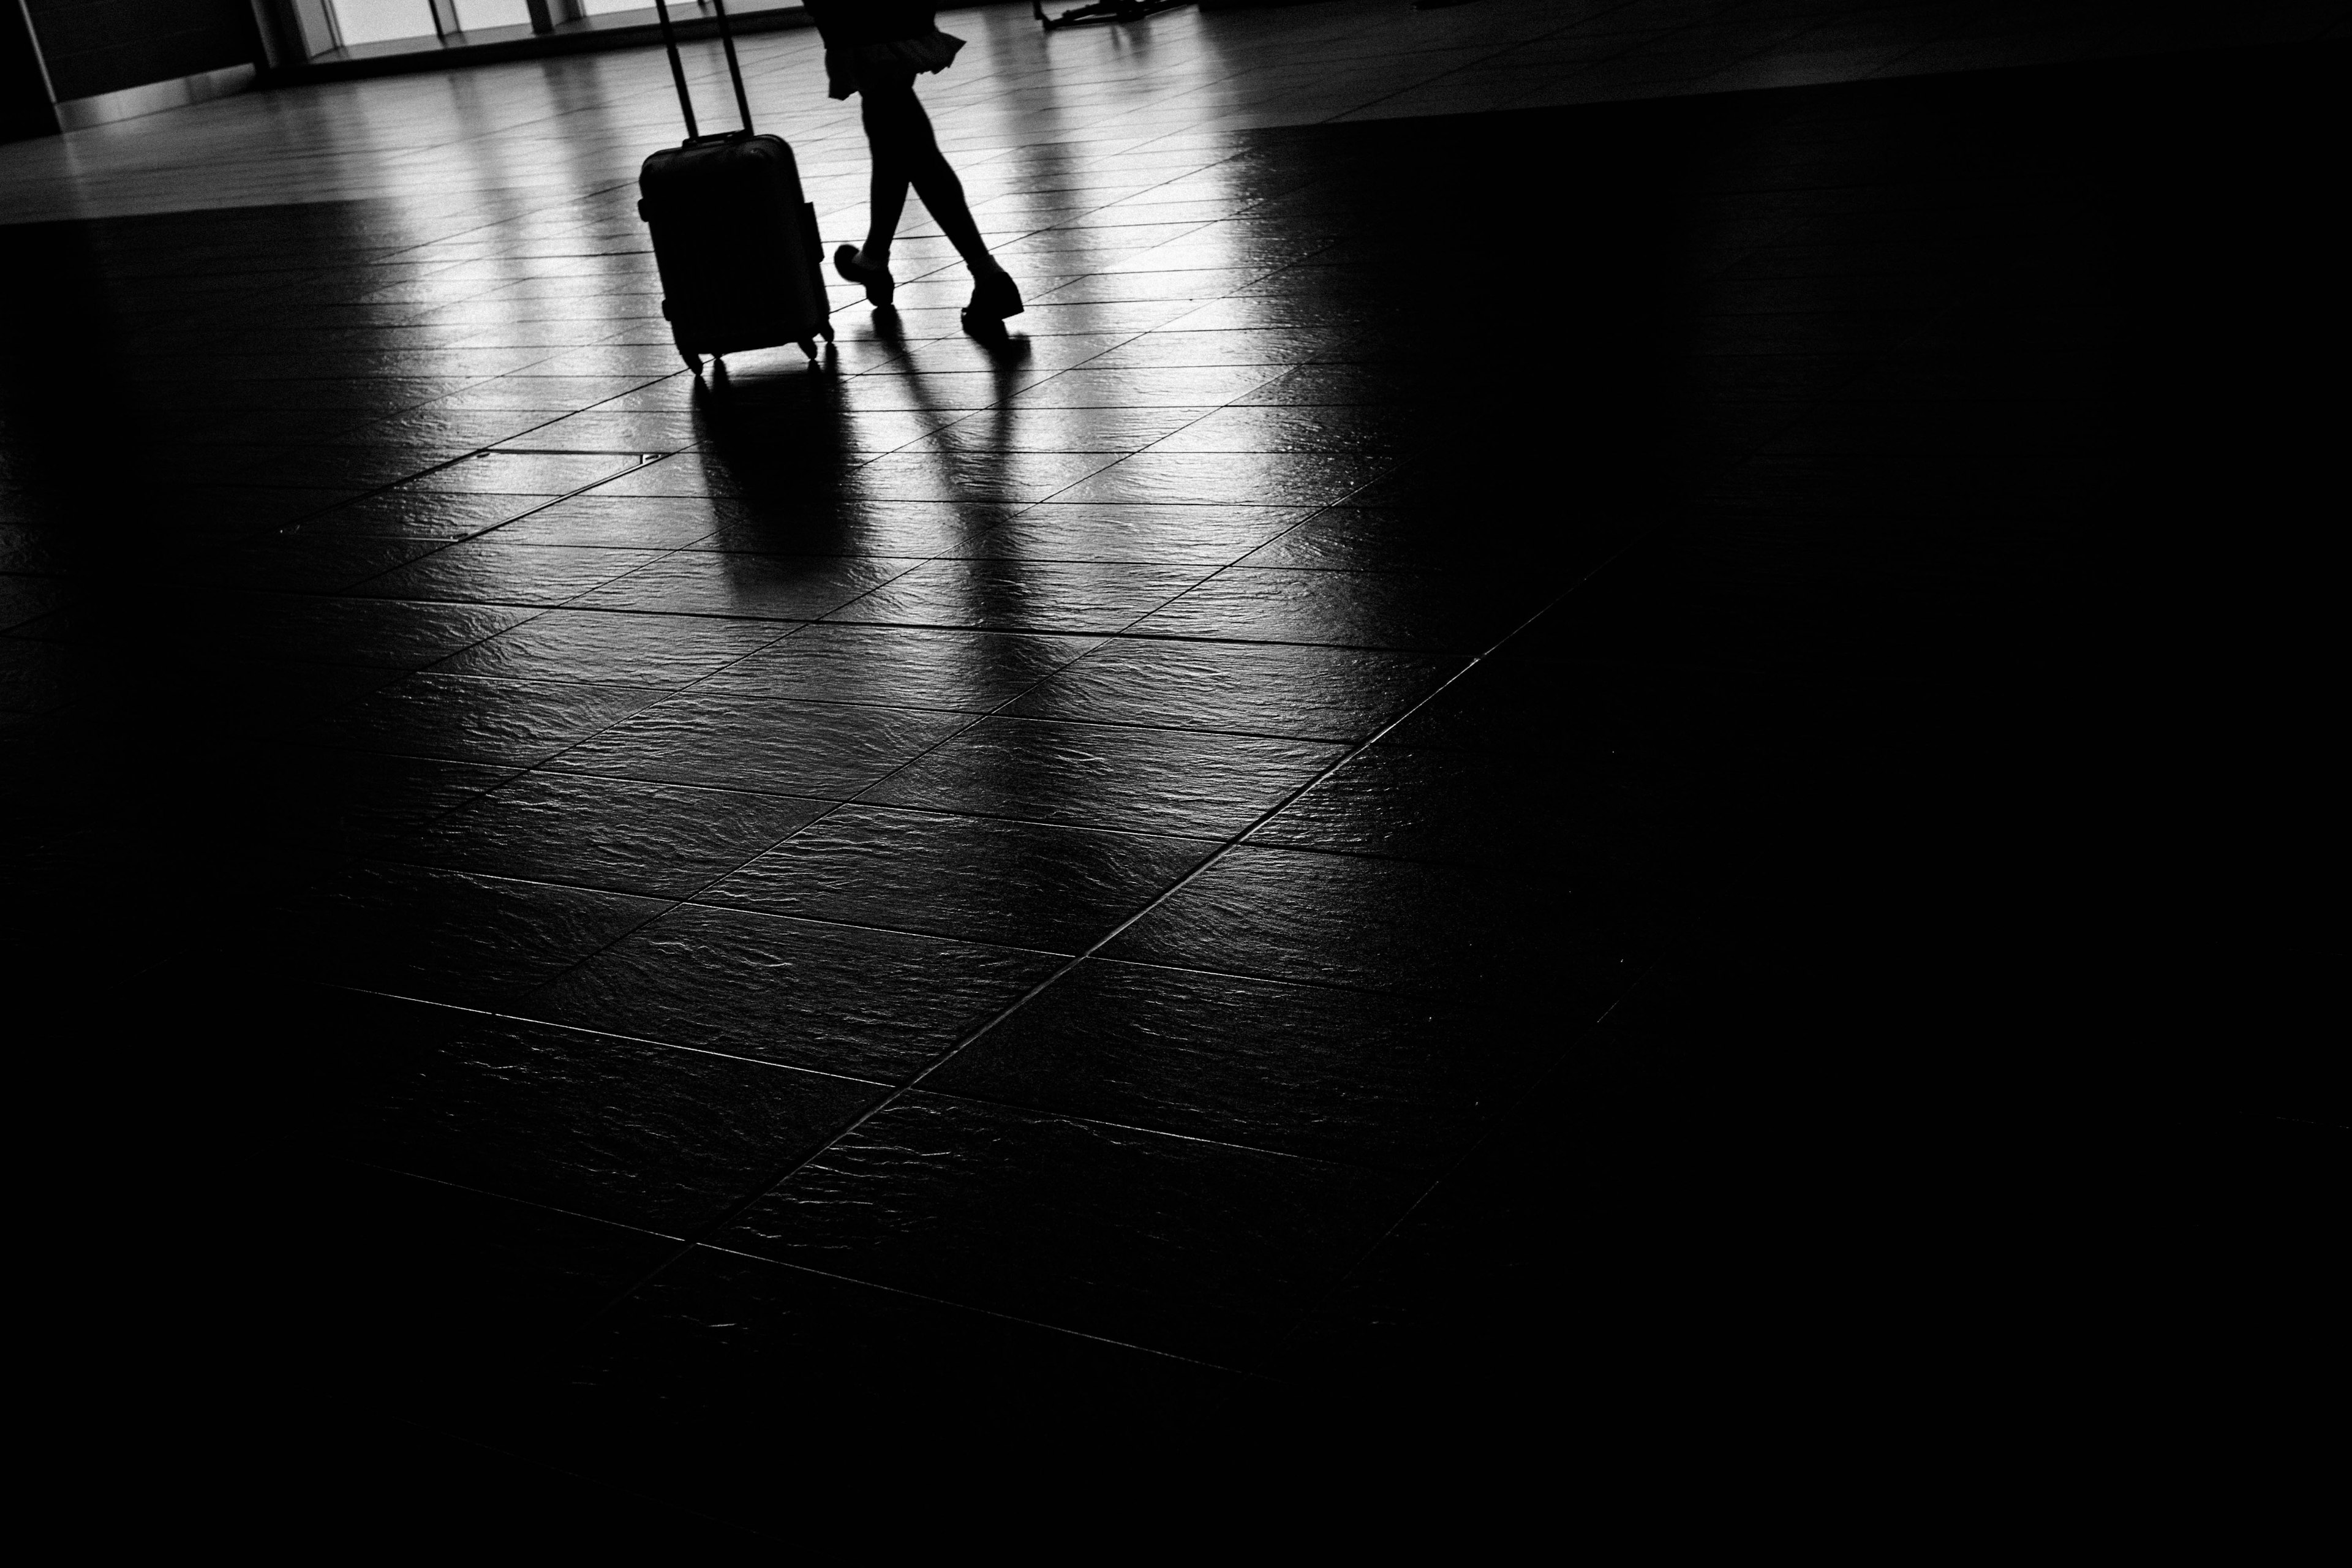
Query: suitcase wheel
x=808, y=347
x=693, y=361
x=826, y=332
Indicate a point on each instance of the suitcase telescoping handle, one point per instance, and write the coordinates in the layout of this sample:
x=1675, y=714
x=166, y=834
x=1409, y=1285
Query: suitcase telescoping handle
x=678, y=67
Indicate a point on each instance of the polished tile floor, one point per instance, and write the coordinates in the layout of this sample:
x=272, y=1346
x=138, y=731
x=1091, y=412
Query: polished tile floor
x=534, y=130
x=1256, y=849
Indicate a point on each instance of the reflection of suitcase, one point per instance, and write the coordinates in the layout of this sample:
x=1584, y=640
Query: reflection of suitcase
x=737, y=246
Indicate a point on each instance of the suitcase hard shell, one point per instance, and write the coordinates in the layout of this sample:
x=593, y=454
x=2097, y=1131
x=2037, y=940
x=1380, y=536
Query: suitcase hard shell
x=736, y=242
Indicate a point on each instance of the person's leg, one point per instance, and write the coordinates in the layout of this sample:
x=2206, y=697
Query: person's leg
x=886, y=196
x=895, y=120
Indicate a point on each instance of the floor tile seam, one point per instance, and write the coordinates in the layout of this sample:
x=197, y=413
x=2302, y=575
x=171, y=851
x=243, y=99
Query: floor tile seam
x=696, y=899
x=1526, y=866
x=1125, y=631
x=400, y=670
x=1028, y=1109
x=292, y=525
x=1164, y=728
x=1198, y=871
x=694, y=686
x=1154, y=445
x=461, y=235
x=1074, y=212
x=918, y=562
x=526, y=770
x=700, y=544
x=914, y=563
x=837, y=807
x=1158, y=836
x=915, y=1083
x=1126, y=634
x=1342, y=1279
x=666, y=904
x=1173, y=179
x=707, y=1237
x=700, y=899
x=792, y=629
x=1434, y=693
x=1165, y=563
x=1454, y=1000
x=1276, y=538
x=648, y=460
x=295, y=1142
x=952, y=1305
x=514, y=680
x=797, y=625
x=1490, y=1132
x=364, y=493
x=994, y=712
x=838, y=618
x=957, y=1048
x=590, y=1032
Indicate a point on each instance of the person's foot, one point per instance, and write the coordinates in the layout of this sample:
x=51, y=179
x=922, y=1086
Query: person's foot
x=994, y=296
x=876, y=281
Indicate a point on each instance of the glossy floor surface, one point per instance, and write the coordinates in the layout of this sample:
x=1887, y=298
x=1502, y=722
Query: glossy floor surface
x=1257, y=847
x=496, y=136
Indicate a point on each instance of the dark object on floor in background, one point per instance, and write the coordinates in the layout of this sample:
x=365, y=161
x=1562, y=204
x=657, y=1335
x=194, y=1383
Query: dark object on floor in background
x=1103, y=11
x=737, y=245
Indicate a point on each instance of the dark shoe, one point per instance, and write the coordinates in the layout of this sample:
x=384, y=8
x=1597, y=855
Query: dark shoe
x=993, y=297
x=876, y=281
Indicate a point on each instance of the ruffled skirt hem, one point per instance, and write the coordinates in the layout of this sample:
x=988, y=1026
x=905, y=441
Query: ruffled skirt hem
x=847, y=70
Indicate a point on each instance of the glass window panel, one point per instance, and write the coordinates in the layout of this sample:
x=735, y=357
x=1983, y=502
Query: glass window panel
x=376, y=21
x=473, y=16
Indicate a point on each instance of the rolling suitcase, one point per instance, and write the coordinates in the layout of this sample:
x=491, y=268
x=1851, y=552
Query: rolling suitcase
x=737, y=246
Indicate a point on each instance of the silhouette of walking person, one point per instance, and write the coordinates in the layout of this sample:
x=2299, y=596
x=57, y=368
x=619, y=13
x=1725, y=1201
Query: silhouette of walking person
x=875, y=48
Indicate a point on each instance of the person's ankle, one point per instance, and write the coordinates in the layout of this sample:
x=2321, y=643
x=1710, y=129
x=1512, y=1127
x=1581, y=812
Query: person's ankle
x=879, y=261
x=986, y=267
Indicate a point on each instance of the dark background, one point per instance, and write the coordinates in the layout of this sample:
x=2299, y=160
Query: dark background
x=105, y=46
x=96, y=46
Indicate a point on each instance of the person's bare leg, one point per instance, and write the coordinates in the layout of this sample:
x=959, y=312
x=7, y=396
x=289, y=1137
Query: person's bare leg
x=887, y=196
x=943, y=196
x=895, y=119
x=886, y=203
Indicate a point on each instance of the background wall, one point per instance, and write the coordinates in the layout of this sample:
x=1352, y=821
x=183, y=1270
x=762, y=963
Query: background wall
x=24, y=96
x=105, y=46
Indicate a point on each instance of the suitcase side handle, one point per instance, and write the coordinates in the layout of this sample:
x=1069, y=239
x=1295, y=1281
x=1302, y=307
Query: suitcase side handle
x=678, y=67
